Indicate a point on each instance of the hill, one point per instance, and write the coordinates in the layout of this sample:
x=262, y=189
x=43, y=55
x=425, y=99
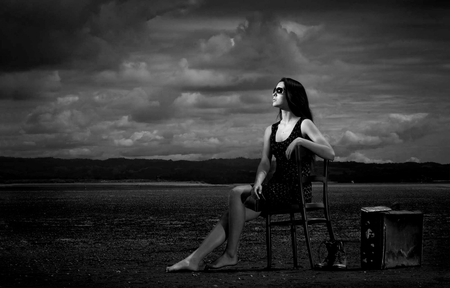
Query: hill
x=214, y=171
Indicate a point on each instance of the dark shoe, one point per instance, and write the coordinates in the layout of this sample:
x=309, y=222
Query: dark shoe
x=328, y=262
x=340, y=261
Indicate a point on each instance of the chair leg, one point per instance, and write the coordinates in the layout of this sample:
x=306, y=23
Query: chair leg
x=268, y=242
x=329, y=226
x=294, y=240
x=330, y=230
x=308, y=243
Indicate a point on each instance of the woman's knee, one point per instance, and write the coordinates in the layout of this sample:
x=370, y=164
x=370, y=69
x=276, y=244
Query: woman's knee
x=236, y=191
x=240, y=191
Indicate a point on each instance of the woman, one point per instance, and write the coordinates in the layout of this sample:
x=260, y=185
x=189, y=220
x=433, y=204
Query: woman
x=280, y=139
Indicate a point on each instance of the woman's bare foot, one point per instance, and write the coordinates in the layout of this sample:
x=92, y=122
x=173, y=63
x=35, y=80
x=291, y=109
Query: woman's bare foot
x=186, y=265
x=223, y=261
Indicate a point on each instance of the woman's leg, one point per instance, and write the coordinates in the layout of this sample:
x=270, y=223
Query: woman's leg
x=238, y=214
x=219, y=233
x=214, y=239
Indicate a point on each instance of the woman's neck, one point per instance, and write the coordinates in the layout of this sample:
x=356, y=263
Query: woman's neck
x=287, y=116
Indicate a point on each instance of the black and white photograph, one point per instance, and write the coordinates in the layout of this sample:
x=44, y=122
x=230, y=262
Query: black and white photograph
x=207, y=143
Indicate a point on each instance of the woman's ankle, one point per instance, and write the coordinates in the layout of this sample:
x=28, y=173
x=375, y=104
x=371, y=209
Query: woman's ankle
x=230, y=255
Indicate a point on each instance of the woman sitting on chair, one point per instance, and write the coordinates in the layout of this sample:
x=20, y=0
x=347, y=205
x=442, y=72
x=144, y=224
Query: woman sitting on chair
x=295, y=128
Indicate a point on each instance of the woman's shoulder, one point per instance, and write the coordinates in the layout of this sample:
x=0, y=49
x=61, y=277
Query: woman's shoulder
x=273, y=125
x=306, y=127
x=306, y=123
x=269, y=129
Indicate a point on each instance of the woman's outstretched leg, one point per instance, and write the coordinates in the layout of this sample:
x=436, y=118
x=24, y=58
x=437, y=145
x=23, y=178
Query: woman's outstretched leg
x=215, y=238
x=238, y=214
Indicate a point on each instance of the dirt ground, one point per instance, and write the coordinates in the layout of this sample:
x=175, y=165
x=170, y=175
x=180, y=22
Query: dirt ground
x=125, y=236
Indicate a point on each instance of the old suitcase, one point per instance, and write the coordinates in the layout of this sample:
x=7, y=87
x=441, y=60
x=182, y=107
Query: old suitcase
x=390, y=238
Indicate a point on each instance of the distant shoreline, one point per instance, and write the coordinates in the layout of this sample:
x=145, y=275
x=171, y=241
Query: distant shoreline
x=199, y=184
x=118, y=183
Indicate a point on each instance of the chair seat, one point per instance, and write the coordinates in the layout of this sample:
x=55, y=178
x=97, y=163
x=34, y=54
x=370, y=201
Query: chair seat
x=294, y=208
x=299, y=222
x=314, y=206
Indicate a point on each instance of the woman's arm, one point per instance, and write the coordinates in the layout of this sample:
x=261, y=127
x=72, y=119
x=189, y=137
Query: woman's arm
x=318, y=144
x=264, y=165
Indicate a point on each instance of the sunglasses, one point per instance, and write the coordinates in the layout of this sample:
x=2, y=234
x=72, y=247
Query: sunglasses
x=278, y=90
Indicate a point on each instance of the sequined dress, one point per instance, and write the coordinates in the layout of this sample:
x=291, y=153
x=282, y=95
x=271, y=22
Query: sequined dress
x=279, y=189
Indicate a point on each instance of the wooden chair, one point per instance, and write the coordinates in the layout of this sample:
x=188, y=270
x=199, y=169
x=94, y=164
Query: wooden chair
x=302, y=209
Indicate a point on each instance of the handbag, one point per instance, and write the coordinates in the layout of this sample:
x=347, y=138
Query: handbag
x=255, y=203
x=260, y=203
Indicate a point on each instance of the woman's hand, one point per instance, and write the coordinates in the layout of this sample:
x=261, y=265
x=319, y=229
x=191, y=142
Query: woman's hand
x=291, y=147
x=257, y=190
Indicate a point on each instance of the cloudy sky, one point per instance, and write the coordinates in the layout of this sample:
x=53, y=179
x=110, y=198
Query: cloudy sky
x=192, y=79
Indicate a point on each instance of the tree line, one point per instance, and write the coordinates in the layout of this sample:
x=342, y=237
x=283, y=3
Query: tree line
x=214, y=171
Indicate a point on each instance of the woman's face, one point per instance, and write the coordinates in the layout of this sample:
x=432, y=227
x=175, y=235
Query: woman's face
x=279, y=96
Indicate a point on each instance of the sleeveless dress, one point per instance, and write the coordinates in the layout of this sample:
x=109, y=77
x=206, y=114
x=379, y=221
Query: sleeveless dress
x=284, y=188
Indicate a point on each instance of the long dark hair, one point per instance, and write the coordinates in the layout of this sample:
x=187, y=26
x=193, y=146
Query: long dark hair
x=298, y=102
x=297, y=99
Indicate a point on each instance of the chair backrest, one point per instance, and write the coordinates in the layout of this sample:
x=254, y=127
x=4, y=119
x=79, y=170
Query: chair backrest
x=322, y=178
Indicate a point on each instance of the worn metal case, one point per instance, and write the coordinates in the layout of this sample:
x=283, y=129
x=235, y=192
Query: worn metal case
x=390, y=238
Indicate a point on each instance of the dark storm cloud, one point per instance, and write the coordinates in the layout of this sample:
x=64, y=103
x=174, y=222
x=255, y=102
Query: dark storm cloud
x=29, y=85
x=261, y=45
x=51, y=33
x=45, y=33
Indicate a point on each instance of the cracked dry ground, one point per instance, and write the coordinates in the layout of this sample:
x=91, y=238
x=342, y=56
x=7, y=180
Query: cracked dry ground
x=125, y=235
